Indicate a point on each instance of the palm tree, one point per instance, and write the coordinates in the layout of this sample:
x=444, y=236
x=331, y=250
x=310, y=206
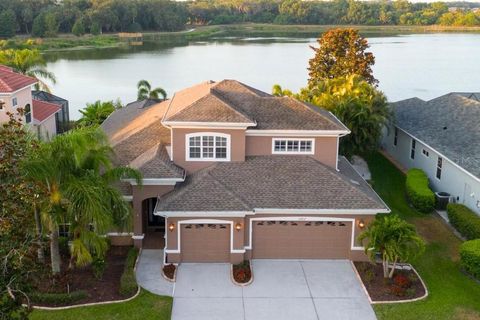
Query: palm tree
x=395, y=239
x=77, y=175
x=95, y=113
x=28, y=62
x=278, y=91
x=145, y=91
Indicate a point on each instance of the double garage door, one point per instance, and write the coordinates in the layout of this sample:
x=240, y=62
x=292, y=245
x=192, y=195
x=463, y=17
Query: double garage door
x=270, y=240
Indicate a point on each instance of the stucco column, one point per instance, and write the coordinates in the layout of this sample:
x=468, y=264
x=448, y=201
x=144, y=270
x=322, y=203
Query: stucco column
x=138, y=234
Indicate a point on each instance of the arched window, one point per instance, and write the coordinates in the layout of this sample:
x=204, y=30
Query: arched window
x=28, y=113
x=207, y=146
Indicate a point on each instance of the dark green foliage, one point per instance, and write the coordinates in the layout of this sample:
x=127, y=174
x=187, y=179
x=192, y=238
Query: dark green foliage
x=95, y=29
x=39, y=28
x=58, y=298
x=464, y=220
x=418, y=192
x=135, y=27
x=7, y=24
x=470, y=257
x=128, y=283
x=78, y=28
x=99, y=264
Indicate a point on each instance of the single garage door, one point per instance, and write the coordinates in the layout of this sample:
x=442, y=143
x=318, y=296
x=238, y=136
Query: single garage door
x=301, y=239
x=205, y=242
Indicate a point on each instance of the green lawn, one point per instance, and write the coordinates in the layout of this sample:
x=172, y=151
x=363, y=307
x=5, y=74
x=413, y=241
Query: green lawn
x=145, y=307
x=452, y=294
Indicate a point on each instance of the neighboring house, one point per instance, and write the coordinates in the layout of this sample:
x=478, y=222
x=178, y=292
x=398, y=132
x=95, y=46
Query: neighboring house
x=15, y=93
x=232, y=173
x=62, y=118
x=441, y=137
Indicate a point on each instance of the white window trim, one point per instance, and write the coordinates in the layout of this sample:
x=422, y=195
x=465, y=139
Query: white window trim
x=210, y=134
x=437, y=167
x=412, y=148
x=14, y=104
x=293, y=152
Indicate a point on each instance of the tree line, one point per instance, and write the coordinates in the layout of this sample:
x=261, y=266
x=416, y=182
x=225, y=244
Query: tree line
x=46, y=18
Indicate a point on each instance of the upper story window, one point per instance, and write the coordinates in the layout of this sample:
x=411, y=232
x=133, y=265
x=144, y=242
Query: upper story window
x=28, y=113
x=412, y=149
x=439, y=168
x=2, y=104
x=395, y=136
x=207, y=146
x=14, y=102
x=292, y=146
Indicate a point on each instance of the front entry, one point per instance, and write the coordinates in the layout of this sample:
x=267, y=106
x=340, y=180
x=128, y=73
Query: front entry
x=205, y=242
x=301, y=239
x=153, y=221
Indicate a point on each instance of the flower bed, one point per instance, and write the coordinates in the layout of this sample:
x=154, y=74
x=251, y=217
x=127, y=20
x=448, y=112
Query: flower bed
x=169, y=271
x=405, y=284
x=242, y=273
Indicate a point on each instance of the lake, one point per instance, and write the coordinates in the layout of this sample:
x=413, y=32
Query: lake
x=420, y=65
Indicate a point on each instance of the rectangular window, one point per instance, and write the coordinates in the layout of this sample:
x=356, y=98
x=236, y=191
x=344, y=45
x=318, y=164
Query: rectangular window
x=292, y=146
x=14, y=102
x=207, y=147
x=425, y=153
x=395, y=137
x=412, y=151
x=439, y=168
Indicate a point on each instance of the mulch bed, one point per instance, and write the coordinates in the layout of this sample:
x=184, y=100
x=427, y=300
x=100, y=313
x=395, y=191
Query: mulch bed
x=104, y=289
x=242, y=272
x=169, y=271
x=405, y=284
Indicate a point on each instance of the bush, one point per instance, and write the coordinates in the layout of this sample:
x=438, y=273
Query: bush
x=464, y=220
x=470, y=257
x=98, y=266
x=418, y=192
x=128, y=283
x=78, y=28
x=58, y=298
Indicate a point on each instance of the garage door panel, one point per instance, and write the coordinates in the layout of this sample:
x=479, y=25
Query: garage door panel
x=205, y=243
x=301, y=240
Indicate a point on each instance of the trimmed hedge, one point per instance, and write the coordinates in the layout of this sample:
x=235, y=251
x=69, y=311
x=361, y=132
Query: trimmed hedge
x=58, y=298
x=128, y=283
x=418, y=191
x=470, y=257
x=464, y=220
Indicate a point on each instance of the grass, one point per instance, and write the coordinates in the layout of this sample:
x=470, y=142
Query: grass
x=453, y=295
x=144, y=307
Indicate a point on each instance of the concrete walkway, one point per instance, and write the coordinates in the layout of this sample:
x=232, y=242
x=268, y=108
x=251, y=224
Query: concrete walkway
x=281, y=290
x=149, y=273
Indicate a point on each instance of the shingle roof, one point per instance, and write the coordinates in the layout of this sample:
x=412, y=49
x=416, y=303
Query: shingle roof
x=11, y=81
x=233, y=101
x=42, y=110
x=449, y=124
x=280, y=182
x=155, y=163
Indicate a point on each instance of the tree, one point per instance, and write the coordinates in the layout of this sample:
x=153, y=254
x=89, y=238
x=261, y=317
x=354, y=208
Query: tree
x=51, y=24
x=29, y=62
x=78, y=28
x=95, y=29
x=76, y=173
x=278, y=91
x=7, y=24
x=39, y=28
x=95, y=113
x=394, y=239
x=341, y=52
x=145, y=91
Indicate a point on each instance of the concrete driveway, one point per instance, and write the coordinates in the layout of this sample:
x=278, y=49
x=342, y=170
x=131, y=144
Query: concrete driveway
x=282, y=289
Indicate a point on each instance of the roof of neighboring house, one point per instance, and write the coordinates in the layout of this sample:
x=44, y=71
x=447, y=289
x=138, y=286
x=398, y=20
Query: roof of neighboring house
x=450, y=124
x=234, y=102
x=139, y=139
x=11, y=81
x=272, y=182
x=42, y=110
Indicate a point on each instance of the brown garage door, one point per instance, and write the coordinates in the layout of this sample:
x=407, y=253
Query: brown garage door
x=301, y=240
x=205, y=243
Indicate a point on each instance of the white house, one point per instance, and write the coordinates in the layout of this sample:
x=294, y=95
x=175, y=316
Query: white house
x=441, y=137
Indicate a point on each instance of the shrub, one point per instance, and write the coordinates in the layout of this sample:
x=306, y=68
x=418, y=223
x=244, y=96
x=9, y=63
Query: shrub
x=58, y=298
x=464, y=220
x=401, y=280
x=128, y=283
x=418, y=192
x=98, y=266
x=78, y=28
x=470, y=257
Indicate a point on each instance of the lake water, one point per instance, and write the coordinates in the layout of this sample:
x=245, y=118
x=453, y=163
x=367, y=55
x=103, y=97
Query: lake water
x=421, y=65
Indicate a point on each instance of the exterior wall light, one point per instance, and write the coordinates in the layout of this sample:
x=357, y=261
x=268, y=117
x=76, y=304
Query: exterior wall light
x=171, y=227
x=361, y=224
x=238, y=226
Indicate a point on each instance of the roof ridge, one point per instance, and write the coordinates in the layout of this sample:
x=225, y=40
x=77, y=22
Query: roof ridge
x=230, y=104
x=231, y=192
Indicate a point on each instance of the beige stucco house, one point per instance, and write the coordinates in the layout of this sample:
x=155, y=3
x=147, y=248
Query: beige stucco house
x=233, y=173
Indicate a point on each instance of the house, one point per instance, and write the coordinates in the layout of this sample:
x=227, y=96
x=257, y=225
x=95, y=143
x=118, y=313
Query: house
x=62, y=117
x=441, y=137
x=16, y=93
x=232, y=173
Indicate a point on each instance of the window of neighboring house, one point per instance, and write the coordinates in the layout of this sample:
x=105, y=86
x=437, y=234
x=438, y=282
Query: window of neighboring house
x=2, y=104
x=412, y=150
x=14, y=102
x=439, y=168
x=395, y=137
x=208, y=147
x=425, y=153
x=28, y=113
x=293, y=146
